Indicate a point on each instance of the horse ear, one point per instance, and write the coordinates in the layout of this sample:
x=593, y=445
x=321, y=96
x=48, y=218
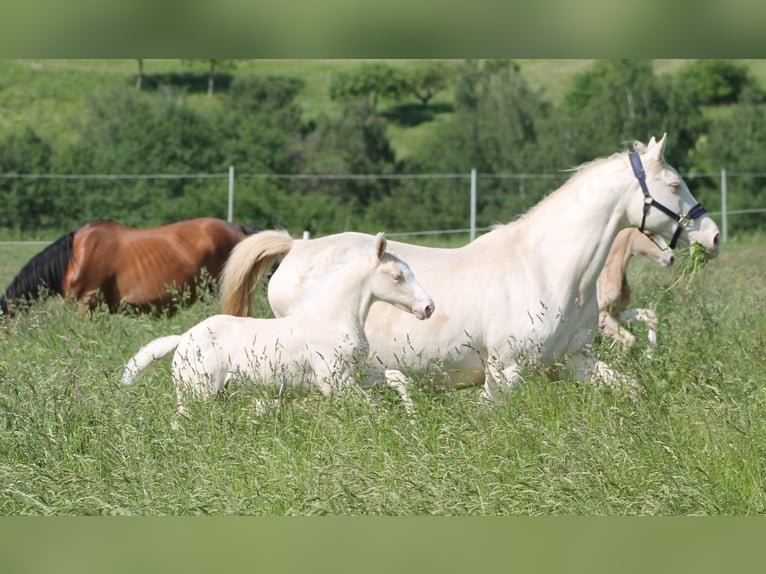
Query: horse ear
x=380, y=244
x=656, y=149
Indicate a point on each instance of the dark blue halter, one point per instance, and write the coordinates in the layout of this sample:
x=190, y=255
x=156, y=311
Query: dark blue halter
x=683, y=220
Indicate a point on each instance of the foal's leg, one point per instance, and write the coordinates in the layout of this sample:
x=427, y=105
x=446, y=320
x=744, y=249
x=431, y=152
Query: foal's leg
x=611, y=327
x=590, y=368
x=648, y=316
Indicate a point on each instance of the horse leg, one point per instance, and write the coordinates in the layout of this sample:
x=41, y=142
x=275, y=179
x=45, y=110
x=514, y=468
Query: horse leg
x=499, y=382
x=648, y=316
x=611, y=327
x=393, y=379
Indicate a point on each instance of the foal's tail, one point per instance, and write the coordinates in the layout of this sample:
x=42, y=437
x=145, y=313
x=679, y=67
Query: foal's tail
x=245, y=266
x=148, y=354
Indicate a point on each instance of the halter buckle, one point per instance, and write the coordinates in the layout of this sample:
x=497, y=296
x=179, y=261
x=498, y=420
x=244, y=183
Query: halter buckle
x=684, y=221
x=648, y=199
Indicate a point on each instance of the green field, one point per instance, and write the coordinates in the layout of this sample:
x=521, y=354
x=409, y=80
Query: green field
x=74, y=441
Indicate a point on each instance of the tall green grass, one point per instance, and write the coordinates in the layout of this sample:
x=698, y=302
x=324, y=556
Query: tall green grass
x=73, y=440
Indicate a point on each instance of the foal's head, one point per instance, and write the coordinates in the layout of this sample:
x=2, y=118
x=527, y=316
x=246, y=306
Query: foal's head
x=394, y=282
x=653, y=247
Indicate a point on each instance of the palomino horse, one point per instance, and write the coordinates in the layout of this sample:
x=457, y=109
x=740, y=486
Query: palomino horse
x=523, y=294
x=321, y=344
x=141, y=268
x=613, y=288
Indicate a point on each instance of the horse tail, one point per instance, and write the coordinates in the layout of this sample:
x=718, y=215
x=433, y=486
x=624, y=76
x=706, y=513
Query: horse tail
x=43, y=274
x=148, y=354
x=245, y=266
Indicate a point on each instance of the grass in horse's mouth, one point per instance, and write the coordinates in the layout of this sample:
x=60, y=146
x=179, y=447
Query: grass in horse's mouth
x=691, y=261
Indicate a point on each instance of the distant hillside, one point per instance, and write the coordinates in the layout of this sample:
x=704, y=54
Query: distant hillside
x=49, y=95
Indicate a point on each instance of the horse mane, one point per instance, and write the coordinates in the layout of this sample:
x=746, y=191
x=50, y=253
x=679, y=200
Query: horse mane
x=43, y=273
x=575, y=172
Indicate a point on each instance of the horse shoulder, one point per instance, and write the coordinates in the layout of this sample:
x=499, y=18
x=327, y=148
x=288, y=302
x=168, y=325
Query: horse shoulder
x=92, y=261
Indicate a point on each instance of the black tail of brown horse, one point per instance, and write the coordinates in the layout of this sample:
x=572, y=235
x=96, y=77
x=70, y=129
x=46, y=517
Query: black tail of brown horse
x=41, y=276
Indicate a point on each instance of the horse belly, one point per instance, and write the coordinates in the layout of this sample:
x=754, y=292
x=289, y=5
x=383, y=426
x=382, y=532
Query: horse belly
x=434, y=348
x=154, y=286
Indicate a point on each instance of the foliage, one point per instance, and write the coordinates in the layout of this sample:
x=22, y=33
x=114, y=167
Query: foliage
x=29, y=203
x=736, y=143
x=488, y=117
x=495, y=130
x=427, y=79
x=354, y=144
x=716, y=82
x=370, y=82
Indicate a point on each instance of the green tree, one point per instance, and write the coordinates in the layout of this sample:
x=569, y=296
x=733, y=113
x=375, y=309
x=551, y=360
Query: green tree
x=260, y=127
x=369, y=82
x=495, y=131
x=715, y=82
x=618, y=101
x=28, y=202
x=735, y=142
x=354, y=144
x=426, y=79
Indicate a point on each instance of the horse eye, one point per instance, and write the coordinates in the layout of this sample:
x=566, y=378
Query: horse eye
x=396, y=276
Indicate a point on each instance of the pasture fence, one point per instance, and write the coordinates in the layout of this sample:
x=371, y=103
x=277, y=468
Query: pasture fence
x=472, y=178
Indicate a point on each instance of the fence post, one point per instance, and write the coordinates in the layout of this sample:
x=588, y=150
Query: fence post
x=231, y=193
x=724, y=218
x=473, y=205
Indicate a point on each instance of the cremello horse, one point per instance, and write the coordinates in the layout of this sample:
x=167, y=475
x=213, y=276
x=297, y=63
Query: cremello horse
x=614, y=290
x=320, y=344
x=521, y=294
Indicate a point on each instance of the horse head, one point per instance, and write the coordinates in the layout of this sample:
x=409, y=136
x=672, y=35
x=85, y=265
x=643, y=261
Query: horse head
x=395, y=283
x=654, y=247
x=667, y=207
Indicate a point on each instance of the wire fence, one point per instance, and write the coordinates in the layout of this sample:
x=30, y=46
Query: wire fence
x=472, y=190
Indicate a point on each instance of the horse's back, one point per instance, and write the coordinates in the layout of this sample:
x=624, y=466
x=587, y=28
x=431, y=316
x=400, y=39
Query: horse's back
x=143, y=266
x=308, y=262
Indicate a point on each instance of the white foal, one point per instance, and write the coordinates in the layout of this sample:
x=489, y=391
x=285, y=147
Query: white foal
x=320, y=345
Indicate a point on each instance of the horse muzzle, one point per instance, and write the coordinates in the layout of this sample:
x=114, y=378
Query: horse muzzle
x=425, y=311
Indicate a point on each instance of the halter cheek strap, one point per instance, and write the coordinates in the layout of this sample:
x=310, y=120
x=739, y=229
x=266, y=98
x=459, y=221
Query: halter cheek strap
x=683, y=220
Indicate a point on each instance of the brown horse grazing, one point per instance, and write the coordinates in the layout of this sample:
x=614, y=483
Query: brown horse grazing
x=613, y=289
x=124, y=266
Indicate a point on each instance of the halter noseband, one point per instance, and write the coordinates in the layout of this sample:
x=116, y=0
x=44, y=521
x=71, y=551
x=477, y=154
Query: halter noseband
x=683, y=220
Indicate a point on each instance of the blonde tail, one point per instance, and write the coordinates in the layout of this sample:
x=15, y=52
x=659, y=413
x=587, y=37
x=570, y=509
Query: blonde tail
x=245, y=266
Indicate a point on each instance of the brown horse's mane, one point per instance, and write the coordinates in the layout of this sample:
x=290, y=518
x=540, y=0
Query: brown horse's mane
x=43, y=274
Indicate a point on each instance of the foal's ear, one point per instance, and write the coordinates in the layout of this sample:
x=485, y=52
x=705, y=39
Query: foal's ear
x=380, y=244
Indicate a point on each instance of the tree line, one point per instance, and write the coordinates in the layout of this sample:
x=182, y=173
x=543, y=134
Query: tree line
x=497, y=123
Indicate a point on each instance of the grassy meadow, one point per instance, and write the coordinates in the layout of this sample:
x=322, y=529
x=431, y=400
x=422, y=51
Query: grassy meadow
x=74, y=441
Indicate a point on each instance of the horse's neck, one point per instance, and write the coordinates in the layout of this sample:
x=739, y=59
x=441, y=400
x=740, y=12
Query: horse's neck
x=573, y=230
